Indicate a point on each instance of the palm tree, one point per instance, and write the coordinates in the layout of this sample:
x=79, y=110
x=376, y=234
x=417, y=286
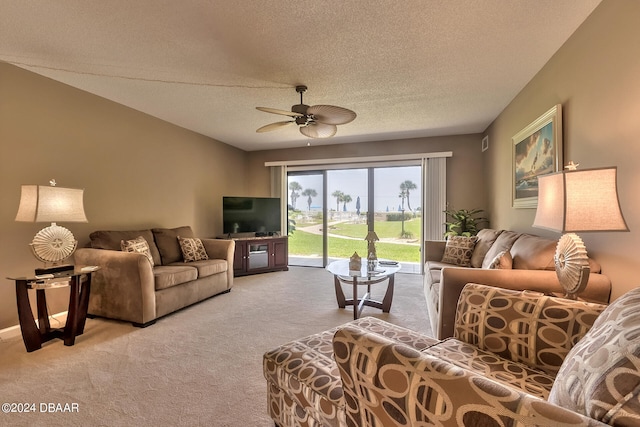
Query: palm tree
x=294, y=187
x=338, y=195
x=346, y=199
x=311, y=193
x=406, y=186
x=402, y=195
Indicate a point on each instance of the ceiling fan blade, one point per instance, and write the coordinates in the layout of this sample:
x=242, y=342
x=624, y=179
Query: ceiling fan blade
x=273, y=126
x=281, y=112
x=318, y=130
x=331, y=115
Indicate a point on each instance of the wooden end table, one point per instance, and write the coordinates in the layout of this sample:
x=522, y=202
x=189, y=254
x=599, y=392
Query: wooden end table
x=364, y=277
x=33, y=335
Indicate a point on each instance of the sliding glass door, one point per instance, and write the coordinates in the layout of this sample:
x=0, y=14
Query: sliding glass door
x=331, y=211
x=347, y=191
x=306, y=215
x=397, y=207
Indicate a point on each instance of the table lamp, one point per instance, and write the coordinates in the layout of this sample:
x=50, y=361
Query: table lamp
x=52, y=244
x=574, y=201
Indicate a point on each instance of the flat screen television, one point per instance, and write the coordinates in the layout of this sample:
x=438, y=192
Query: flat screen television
x=259, y=215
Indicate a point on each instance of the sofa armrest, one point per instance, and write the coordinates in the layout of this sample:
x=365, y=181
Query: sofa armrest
x=453, y=279
x=393, y=384
x=123, y=288
x=434, y=249
x=222, y=249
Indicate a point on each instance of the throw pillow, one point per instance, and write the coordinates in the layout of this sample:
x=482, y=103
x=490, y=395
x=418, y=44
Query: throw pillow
x=599, y=377
x=486, y=237
x=458, y=250
x=192, y=249
x=138, y=245
x=502, y=261
x=167, y=241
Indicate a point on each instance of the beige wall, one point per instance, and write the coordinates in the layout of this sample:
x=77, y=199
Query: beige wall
x=596, y=78
x=137, y=171
x=465, y=188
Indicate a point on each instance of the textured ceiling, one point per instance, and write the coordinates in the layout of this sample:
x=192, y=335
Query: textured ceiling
x=408, y=68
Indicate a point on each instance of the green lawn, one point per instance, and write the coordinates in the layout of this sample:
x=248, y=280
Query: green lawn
x=303, y=243
x=383, y=229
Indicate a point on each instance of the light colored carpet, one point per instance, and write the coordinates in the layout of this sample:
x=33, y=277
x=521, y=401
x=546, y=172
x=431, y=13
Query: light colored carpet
x=201, y=366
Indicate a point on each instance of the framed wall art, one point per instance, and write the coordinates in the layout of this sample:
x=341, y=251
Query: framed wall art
x=537, y=150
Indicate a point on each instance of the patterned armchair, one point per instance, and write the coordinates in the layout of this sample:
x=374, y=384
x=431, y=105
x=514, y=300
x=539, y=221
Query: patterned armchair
x=516, y=358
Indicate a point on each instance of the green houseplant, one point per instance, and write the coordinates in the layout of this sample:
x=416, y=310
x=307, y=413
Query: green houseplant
x=463, y=222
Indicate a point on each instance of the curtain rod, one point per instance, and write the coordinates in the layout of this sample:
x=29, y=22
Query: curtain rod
x=365, y=159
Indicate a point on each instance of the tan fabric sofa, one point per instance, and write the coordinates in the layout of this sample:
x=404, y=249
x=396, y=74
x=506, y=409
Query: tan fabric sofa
x=532, y=267
x=517, y=358
x=128, y=288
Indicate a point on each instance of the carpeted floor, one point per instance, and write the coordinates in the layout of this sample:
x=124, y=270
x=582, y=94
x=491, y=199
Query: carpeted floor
x=201, y=366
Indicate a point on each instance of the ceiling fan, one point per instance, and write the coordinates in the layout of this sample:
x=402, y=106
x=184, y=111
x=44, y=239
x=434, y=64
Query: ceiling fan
x=317, y=121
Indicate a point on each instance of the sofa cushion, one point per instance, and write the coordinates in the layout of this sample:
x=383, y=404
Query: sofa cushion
x=137, y=245
x=502, y=261
x=523, y=326
x=167, y=242
x=503, y=243
x=531, y=252
x=192, y=249
x=168, y=276
x=458, y=250
x=207, y=267
x=486, y=238
x=516, y=374
x=103, y=239
x=601, y=375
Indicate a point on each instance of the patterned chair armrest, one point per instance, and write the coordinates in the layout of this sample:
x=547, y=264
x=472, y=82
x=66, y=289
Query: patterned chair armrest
x=523, y=326
x=390, y=384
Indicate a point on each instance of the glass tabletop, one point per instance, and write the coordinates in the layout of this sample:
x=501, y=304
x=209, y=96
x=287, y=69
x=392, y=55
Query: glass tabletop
x=60, y=277
x=341, y=268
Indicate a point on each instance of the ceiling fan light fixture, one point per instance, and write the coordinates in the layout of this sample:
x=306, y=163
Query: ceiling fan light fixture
x=318, y=121
x=318, y=130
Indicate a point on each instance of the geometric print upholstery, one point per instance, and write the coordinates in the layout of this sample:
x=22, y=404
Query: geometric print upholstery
x=523, y=326
x=502, y=261
x=137, y=245
x=386, y=383
x=303, y=382
x=372, y=373
x=458, y=250
x=519, y=375
x=192, y=249
x=601, y=377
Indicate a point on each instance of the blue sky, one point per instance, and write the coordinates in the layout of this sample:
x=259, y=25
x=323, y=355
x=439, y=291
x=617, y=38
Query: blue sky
x=354, y=183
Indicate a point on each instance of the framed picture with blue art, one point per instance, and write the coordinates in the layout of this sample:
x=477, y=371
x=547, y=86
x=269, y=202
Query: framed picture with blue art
x=537, y=150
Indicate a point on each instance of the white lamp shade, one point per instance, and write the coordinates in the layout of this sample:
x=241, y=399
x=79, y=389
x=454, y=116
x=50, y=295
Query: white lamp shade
x=40, y=203
x=579, y=200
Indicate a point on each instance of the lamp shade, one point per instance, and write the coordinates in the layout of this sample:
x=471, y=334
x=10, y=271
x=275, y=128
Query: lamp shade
x=579, y=200
x=40, y=203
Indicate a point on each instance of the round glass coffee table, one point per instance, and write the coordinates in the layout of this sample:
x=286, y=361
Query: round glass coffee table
x=385, y=270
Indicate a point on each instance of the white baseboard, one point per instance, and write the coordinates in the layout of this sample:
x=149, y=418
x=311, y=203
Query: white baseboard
x=56, y=320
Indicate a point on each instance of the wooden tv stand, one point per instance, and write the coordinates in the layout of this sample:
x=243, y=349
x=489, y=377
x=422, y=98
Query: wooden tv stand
x=255, y=255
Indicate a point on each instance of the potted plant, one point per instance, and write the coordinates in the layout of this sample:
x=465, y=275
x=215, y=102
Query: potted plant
x=463, y=222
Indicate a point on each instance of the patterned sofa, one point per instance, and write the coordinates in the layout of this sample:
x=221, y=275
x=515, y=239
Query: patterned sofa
x=501, y=258
x=516, y=358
